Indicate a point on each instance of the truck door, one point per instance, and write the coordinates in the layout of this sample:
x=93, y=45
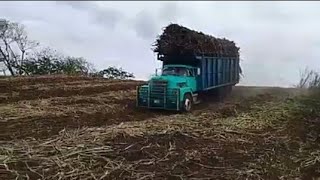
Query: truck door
x=191, y=79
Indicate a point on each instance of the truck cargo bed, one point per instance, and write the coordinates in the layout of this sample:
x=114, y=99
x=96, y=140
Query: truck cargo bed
x=215, y=71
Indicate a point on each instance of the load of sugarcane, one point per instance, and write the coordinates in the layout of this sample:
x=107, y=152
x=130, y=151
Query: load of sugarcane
x=179, y=40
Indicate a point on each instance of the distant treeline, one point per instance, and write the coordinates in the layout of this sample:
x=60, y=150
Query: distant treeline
x=24, y=57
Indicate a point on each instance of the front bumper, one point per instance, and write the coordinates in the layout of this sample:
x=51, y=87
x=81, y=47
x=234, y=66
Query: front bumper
x=167, y=98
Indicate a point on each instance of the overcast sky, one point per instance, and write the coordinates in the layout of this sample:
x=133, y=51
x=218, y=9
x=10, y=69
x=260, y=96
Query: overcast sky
x=277, y=39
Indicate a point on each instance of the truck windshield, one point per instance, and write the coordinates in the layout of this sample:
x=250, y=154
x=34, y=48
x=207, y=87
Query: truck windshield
x=177, y=71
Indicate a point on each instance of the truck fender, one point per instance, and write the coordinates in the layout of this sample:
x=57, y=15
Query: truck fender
x=183, y=91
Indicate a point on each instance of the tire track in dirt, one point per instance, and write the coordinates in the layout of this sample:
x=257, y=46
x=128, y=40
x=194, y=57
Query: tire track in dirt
x=69, y=102
x=75, y=96
x=58, y=91
x=45, y=126
x=155, y=144
x=36, y=80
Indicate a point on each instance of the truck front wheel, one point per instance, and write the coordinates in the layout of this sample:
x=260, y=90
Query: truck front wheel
x=187, y=103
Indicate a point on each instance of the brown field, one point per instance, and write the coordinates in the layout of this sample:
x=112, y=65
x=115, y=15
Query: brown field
x=88, y=128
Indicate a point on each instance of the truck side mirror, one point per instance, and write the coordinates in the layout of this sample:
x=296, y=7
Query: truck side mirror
x=198, y=71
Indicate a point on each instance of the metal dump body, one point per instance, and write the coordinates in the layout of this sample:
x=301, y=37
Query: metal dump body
x=217, y=72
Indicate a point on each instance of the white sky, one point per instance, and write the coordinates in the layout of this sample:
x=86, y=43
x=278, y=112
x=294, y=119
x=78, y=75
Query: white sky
x=277, y=39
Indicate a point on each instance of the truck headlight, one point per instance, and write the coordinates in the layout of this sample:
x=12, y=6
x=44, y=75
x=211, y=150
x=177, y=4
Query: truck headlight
x=182, y=84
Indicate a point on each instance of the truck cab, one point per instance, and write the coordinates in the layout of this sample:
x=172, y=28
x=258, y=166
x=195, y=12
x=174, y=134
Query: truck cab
x=173, y=89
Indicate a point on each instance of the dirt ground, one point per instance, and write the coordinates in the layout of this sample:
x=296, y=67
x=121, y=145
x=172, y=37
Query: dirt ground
x=89, y=128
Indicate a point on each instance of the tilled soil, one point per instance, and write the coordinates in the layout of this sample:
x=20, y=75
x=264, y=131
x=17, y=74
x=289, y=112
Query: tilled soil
x=87, y=128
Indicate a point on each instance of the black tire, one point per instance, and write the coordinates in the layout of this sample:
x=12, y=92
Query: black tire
x=187, y=103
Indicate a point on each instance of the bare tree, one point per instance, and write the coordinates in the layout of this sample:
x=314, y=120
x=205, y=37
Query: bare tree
x=3, y=68
x=14, y=46
x=90, y=69
x=309, y=79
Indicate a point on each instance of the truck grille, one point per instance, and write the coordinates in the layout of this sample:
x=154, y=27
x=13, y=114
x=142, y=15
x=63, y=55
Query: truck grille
x=158, y=88
x=158, y=96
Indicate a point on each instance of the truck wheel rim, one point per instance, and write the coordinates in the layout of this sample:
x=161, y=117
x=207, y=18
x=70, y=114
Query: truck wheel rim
x=187, y=104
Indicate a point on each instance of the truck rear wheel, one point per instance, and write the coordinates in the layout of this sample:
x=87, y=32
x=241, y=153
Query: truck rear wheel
x=187, y=103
